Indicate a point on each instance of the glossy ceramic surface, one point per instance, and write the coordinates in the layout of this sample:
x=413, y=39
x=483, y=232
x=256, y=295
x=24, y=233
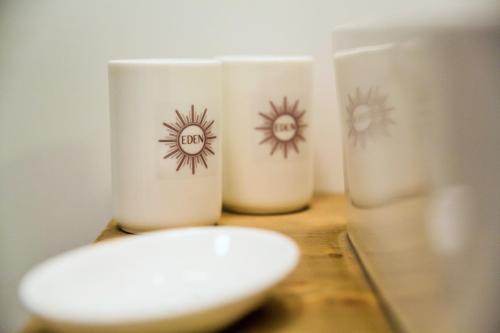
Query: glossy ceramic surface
x=171, y=281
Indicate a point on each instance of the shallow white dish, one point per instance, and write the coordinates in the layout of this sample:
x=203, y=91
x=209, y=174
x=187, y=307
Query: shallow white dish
x=169, y=281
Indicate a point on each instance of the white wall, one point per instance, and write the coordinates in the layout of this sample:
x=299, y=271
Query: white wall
x=55, y=175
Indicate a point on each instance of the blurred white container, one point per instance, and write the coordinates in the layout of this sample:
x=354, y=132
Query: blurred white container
x=268, y=161
x=424, y=196
x=378, y=90
x=166, y=157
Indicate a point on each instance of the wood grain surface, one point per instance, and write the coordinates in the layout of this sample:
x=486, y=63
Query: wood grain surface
x=328, y=292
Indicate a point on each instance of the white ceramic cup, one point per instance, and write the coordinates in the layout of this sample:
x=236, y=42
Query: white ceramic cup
x=379, y=88
x=165, y=139
x=267, y=136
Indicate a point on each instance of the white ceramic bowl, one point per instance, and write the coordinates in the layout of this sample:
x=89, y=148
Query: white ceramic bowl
x=195, y=279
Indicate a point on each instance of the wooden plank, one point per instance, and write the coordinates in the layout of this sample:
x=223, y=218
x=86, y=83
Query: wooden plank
x=328, y=291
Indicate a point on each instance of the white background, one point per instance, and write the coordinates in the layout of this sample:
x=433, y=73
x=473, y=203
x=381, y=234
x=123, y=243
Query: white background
x=54, y=140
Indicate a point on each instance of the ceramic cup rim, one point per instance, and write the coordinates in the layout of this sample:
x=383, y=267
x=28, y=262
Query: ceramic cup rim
x=266, y=59
x=164, y=62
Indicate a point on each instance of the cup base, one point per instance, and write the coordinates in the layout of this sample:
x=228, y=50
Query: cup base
x=262, y=210
x=141, y=230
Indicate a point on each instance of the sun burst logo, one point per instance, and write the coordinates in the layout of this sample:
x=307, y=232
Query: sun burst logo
x=189, y=140
x=367, y=115
x=283, y=127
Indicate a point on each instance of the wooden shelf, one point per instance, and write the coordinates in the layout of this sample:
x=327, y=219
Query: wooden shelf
x=328, y=291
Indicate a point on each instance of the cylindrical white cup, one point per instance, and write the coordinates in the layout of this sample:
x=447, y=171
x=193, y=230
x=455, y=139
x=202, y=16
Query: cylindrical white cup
x=165, y=139
x=379, y=88
x=267, y=136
